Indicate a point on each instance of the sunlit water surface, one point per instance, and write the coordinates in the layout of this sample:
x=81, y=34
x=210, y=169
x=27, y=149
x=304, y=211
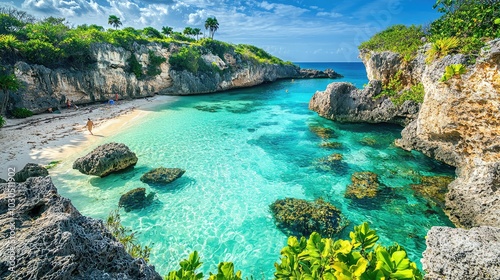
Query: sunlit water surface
x=242, y=150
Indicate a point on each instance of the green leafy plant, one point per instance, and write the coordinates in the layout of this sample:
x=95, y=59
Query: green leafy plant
x=52, y=164
x=2, y=121
x=405, y=40
x=154, y=64
x=126, y=237
x=415, y=93
x=187, y=58
x=21, y=113
x=442, y=47
x=360, y=258
x=225, y=271
x=453, y=71
x=134, y=66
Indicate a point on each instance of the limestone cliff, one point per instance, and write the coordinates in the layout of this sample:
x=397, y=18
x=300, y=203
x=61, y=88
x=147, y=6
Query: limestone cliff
x=110, y=74
x=45, y=237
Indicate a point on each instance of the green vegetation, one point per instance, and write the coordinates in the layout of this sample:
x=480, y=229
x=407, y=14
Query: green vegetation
x=2, y=121
x=21, y=113
x=212, y=25
x=441, y=48
x=114, y=21
x=134, y=66
x=126, y=237
x=258, y=54
x=318, y=258
x=453, y=71
x=8, y=82
x=188, y=58
x=405, y=40
x=398, y=93
x=154, y=64
x=52, y=164
x=415, y=93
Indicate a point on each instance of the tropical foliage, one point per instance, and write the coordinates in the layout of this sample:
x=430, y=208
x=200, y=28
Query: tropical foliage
x=454, y=70
x=212, y=25
x=2, y=121
x=442, y=47
x=126, y=237
x=8, y=82
x=21, y=113
x=114, y=21
x=316, y=258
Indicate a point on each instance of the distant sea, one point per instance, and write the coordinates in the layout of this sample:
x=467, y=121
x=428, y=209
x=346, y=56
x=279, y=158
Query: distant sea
x=353, y=72
x=244, y=149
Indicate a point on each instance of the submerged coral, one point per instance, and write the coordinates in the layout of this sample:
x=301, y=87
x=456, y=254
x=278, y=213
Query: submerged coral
x=301, y=217
x=364, y=185
x=433, y=188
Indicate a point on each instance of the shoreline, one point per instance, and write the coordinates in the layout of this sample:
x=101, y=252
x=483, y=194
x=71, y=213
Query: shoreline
x=49, y=137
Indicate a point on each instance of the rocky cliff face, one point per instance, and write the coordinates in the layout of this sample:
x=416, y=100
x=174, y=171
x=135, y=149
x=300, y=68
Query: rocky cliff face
x=45, y=237
x=345, y=103
x=109, y=75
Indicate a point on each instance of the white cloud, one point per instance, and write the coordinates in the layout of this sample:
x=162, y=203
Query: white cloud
x=197, y=17
x=61, y=7
x=330, y=14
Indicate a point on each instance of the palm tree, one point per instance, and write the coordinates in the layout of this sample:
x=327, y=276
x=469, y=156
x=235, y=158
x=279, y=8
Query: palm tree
x=167, y=30
x=212, y=24
x=7, y=82
x=188, y=31
x=197, y=32
x=114, y=21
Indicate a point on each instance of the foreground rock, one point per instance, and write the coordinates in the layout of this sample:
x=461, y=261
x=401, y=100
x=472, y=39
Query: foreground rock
x=136, y=199
x=345, y=103
x=364, y=185
x=301, y=218
x=162, y=175
x=54, y=241
x=30, y=170
x=106, y=159
x=462, y=254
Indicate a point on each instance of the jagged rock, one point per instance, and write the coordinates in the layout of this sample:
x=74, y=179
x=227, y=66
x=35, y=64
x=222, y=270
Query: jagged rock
x=345, y=103
x=364, y=185
x=454, y=253
x=301, y=218
x=136, y=199
x=162, y=175
x=433, y=188
x=313, y=73
x=2, y=181
x=54, y=241
x=106, y=159
x=30, y=170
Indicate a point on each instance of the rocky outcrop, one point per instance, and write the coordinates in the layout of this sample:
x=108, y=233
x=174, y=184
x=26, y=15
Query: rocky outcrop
x=105, y=159
x=462, y=254
x=345, y=103
x=162, y=175
x=364, y=185
x=49, y=239
x=136, y=199
x=459, y=123
x=313, y=73
x=300, y=217
x=30, y=170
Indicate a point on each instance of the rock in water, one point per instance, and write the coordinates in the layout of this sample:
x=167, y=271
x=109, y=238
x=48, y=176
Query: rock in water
x=364, y=185
x=162, y=175
x=30, y=170
x=454, y=253
x=135, y=199
x=300, y=217
x=106, y=159
x=54, y=241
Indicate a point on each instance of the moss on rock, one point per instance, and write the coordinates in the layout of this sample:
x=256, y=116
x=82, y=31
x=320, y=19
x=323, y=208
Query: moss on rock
x=300, y=217
x=162, y=175
x=433, y=188
x=364, y=185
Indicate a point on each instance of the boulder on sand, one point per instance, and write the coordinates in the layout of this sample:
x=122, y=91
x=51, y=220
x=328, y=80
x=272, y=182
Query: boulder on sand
x=105, y=159
x=30, y=170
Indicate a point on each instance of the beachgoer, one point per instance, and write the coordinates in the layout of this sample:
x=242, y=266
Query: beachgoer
x=50, y=110
x=116, y=97
x=89, y=125
x=68, y=103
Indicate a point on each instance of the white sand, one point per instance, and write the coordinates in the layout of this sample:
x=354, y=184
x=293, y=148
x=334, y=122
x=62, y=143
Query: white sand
x=51, y=137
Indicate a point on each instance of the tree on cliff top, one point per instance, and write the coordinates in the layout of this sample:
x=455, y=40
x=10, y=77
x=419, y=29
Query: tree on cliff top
x=114, y=21
x=167, y=30
x=212, y=25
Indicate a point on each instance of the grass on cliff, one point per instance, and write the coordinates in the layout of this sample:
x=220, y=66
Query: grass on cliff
x=53, y=42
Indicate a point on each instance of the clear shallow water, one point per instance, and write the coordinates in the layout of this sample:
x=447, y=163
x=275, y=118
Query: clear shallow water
x=242, y=150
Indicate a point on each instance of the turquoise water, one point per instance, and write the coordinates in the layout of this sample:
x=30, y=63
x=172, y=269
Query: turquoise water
x=242, y=150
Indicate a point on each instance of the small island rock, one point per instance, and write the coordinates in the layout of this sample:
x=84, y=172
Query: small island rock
x=136, y=199
x=162, y=175
x=105, y=159
x=30, y=170
x=301, y=217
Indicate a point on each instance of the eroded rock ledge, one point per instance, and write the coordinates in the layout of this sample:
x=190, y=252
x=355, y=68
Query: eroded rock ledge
x=54, y=241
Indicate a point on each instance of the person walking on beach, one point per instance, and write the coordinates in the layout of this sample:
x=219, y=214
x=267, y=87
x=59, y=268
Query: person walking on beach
x=89, y=125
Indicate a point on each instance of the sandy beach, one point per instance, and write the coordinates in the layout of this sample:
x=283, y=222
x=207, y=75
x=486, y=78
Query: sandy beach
x=49, y=137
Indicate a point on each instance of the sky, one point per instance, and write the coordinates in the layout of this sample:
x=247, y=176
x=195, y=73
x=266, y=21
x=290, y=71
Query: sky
x=293, y=30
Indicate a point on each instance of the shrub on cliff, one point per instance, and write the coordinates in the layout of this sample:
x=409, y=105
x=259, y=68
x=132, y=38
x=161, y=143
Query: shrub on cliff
x=401, y=39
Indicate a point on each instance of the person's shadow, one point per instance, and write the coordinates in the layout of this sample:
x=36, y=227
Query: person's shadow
x=97, y=135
